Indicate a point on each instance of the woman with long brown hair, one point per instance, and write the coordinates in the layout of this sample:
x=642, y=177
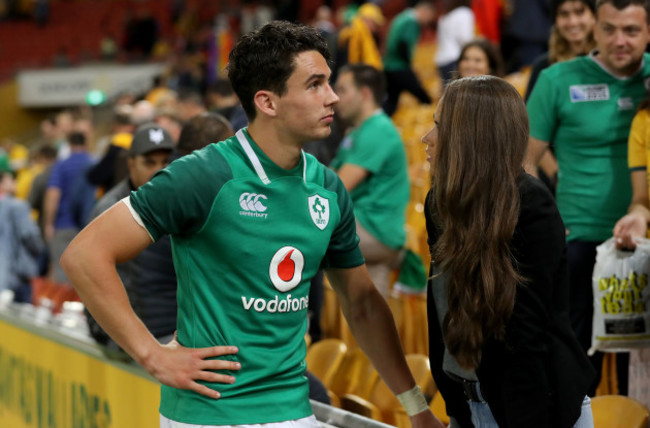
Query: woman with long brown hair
x=480, y=56
x=572, y=35
x=502, y=349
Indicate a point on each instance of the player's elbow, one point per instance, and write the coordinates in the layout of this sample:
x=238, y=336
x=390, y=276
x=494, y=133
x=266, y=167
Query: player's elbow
x=363, y=306
x=70, y=259
x=75, y=257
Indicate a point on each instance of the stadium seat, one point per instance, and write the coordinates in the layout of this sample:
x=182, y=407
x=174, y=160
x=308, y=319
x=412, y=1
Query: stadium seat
x=333, y=323
x=385, y=400
x=331, y=313
x=439, y=408
x=419, y=366
x=609, y=379
x=334, y=399
x=324, y=357
x=617, y=411
x=358, y=405
x=416, y=339
x=401, y=419
x=396, y=305
x=346, y=334
x=355, y=375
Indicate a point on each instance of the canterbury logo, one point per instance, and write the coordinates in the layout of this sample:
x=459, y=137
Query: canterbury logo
x=251, y=202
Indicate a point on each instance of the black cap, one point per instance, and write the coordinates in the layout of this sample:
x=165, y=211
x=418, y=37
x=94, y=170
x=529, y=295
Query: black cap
x=150, y=137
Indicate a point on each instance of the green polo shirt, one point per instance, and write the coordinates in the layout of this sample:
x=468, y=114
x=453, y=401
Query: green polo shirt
x=586, y=113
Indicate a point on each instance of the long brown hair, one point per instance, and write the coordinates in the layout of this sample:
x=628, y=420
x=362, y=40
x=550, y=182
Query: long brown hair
x=482, y=138
x=495, y=61
x=559, y=48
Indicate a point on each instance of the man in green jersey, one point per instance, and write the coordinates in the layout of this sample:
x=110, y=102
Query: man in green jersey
x=584, y=107
x=371, y=163
x=403, y=36
x=251, y=220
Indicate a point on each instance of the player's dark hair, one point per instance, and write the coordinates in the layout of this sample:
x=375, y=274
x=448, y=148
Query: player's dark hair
x=202, y=130
x=555, y=6
x=46, y=151
x=367, y=76
x=449, y=5
x=622, y=4
x=190, y=97
x=265, y=59
x=221, y=87
x=76, y=139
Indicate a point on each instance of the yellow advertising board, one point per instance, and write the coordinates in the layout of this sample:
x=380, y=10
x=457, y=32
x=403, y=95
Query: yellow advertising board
x=45, y=383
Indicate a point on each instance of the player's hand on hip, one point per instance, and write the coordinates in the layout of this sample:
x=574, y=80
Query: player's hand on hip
x=180, y=367
x=426, y=419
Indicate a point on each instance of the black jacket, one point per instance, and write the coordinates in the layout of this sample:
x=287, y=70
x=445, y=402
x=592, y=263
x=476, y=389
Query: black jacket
x=538, y=376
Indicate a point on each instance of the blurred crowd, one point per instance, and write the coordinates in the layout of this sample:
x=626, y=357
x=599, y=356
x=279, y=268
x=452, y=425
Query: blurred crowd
x=81, y=155
x=57, y=180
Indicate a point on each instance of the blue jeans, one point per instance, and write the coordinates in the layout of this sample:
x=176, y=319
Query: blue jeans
x=482, y=415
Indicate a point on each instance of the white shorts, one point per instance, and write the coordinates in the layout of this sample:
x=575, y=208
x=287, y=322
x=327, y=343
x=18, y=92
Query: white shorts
x=308, y=422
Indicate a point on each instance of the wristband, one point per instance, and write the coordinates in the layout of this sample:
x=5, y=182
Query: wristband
x=413, y=401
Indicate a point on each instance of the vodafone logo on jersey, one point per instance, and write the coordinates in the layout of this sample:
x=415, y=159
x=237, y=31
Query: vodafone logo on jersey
x=285, y=272
x=286, y=268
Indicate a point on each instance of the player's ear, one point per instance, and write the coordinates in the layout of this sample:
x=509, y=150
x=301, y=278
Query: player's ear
x=130, y=163
x=366, y=92
x=266, y=102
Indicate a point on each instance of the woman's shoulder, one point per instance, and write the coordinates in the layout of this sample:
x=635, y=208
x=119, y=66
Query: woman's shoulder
x=534, y=193
x=538, y=211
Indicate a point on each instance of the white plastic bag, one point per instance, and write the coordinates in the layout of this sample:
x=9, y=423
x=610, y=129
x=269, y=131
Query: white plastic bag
x=621, y=298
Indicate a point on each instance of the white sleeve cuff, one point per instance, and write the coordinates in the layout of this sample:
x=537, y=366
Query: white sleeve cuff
x=136, y=216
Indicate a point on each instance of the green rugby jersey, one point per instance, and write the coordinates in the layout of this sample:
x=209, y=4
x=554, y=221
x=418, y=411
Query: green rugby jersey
x=247, y=237
x=404, y=30
x=380, y=200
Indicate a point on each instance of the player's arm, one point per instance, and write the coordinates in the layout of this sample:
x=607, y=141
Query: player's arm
x=534, y=154
x=543, y=110
x=548, y=164
x=635, y=223
x=351, y=175
x=89, y=261
x=373, y=327
x=50, y=209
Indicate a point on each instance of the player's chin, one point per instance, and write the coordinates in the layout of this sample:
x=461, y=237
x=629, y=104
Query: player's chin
x=323, y=132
